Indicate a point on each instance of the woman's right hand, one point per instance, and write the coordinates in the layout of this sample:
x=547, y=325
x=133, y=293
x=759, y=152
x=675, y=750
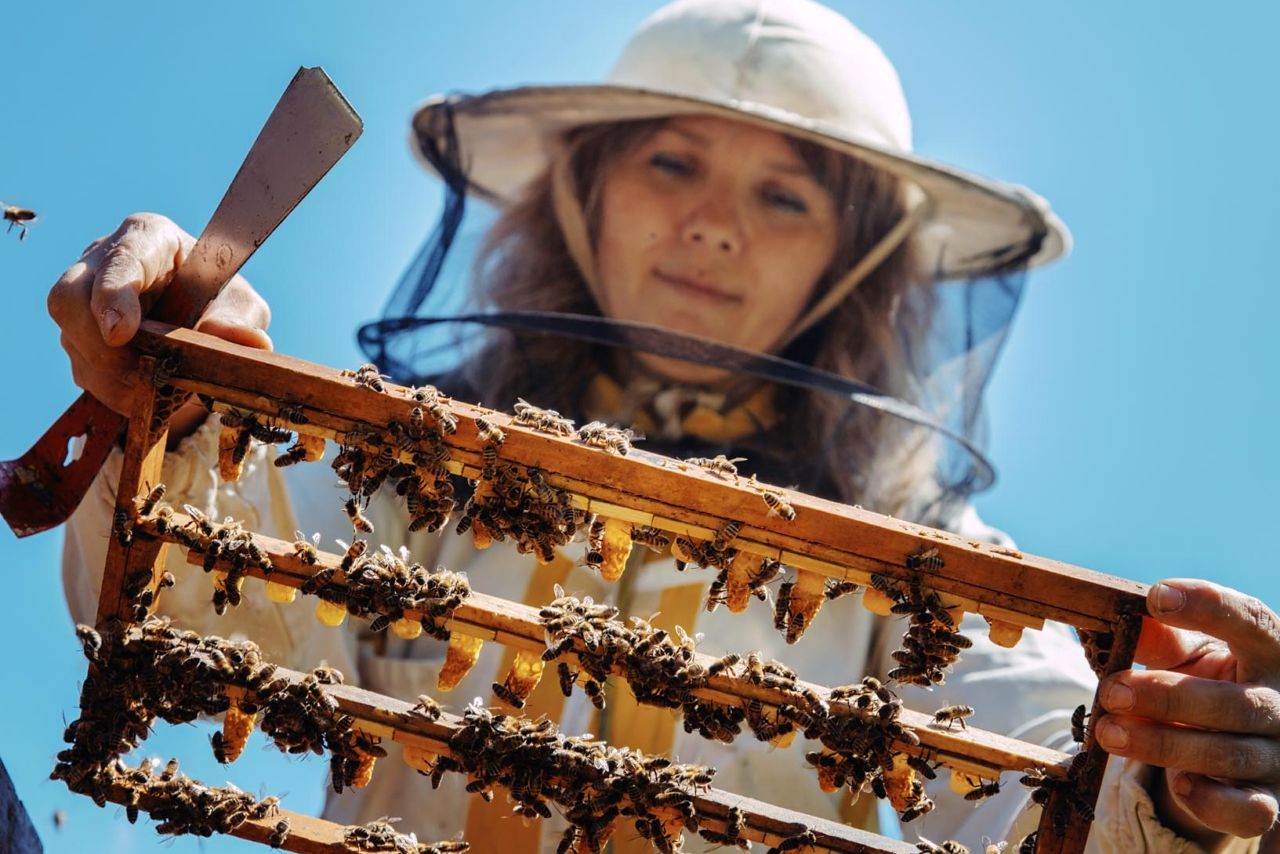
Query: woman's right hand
x=100, y=301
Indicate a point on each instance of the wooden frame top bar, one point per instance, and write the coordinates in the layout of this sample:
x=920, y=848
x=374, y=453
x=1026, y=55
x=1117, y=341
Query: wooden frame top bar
x=650, y=484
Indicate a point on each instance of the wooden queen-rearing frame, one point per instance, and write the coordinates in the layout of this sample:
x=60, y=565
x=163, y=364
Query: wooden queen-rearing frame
x=1011, y=590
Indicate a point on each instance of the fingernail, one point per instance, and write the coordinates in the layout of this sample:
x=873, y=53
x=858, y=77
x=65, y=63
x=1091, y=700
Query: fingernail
x=1119, y=697
x=1112, y=736
x=1169, y=599
x=1182, y=785
x=110, y=319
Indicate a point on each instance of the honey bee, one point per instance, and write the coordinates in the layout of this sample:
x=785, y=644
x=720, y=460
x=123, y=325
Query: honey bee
x=145, y=504
x=318, y=580
x=279, y=833
x=542, y=420
x=293, y=413
x=296, y=454
x=722, y=664
x=354, y=552
x=122, y=527
x=719, y=465
x=428, y=708
x=782, y=607
x=924, y=846
x=368, y=375
x=778, y=506
x=726, y=535
x=983, y=790
x=600, y=435
x=1078, y=722
x=506, y=695
x=1029, y=843
x=951, y=714
x=595, y=693
x=90, y=640
x=917, y=809
x=568, y=677
x=802, y=839
x=354, y=511
x=489, y=432
x=925, y=559
x=15, y=215
x=306, y=549
x=836, y=589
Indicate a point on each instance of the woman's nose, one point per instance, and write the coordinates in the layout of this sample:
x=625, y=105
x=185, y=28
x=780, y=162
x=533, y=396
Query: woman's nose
x=713, y=225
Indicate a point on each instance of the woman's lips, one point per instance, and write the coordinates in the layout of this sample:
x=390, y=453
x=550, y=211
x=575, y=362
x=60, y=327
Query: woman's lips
x=697, y=290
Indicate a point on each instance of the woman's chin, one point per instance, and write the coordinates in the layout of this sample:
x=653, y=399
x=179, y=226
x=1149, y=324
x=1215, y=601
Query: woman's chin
x=680, y=371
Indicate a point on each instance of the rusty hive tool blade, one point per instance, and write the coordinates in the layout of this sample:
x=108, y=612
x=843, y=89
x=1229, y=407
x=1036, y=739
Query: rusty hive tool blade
x=309, y=130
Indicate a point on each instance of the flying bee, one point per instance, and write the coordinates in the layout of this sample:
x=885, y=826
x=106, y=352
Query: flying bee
x=917, y=809
x=983, y=790
x=15, y=215
x=595, y=692
x=1078, y=723
x=306, y=549
x=296, y=454
x=354, y=511
x=951, y=714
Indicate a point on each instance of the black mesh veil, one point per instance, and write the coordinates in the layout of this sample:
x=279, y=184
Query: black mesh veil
x=437, y=328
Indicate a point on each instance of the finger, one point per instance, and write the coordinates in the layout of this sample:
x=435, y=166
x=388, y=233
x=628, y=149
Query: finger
x=1210, y=704
x=1244, y=811
x=1163, y=647
x=1248, y=626
x=1236, y=757
x=140, y=258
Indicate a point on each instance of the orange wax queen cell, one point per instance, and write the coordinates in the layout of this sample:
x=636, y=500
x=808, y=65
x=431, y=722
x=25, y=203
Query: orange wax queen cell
x=458, y=660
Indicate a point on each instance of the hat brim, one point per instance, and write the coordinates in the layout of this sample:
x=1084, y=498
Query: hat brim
x=507, y=137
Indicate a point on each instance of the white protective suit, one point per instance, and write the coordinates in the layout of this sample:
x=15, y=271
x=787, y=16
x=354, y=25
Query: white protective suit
x=1027, y=692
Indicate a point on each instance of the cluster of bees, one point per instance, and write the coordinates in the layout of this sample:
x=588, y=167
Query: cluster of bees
x=857, y=724
x=381, y=836
x=182, y=805
x=520, y=505
x=932, y=642
x=594, y=784
x=382, y=583
x=155, y=671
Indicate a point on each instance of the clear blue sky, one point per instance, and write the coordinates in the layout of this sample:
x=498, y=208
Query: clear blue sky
x=1133, y=416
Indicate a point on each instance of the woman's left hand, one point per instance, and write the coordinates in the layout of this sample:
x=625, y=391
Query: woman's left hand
x=1206, y=712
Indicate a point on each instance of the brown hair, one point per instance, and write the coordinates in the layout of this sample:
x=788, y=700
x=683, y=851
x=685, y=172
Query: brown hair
x=863, y=456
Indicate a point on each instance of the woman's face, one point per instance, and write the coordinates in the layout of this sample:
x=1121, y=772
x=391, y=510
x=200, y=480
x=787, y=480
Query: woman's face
x=715, y=228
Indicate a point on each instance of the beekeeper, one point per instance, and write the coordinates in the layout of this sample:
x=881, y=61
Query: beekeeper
x=730, y=247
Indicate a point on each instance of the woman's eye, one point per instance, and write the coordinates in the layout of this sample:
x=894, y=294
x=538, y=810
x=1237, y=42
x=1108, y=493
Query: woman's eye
x=784, y=200
x=671, y=164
